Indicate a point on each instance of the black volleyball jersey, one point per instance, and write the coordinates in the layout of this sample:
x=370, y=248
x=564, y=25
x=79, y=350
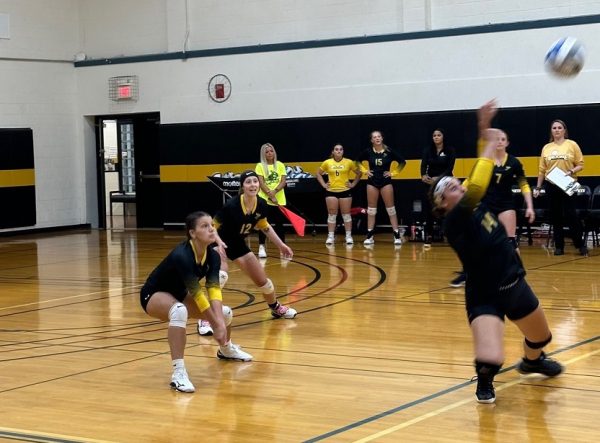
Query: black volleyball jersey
x=504, y=177
x=182, y=270
x=235, y=220
x=435, y=164
x=489, y=259
x=380, y=162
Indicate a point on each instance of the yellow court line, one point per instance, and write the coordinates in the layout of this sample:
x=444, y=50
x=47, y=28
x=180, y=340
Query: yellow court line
x=43, y=436
x=69, y=297
x=458, y=403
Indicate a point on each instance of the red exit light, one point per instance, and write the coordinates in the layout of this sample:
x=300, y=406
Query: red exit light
x=124, y=91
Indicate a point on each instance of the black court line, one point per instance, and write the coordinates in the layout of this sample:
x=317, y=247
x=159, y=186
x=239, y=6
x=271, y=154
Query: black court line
x=21, y=436
x=428, y=398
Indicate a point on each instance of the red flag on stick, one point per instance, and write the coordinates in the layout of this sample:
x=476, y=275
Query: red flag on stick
x=297, y=222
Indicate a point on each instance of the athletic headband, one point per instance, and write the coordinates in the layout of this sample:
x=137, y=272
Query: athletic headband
x=440, y=188
x=244, y=175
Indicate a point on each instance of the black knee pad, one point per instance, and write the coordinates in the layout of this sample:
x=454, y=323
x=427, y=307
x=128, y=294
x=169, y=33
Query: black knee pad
x=484, y=369
x=538, y=345
x=513, y=242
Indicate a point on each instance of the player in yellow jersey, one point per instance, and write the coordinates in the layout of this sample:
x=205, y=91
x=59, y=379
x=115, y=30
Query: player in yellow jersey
x=338, y=194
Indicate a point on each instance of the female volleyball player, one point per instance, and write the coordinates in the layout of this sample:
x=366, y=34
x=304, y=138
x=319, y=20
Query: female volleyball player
x=239, y=217
x=379, y=183
x=337, y=191
x=173, y=291
x=495, y=285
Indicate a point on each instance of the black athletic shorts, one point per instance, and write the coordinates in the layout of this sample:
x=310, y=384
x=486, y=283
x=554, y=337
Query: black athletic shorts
x=343, y=194
x=379, y=182
x=515, y=302
x=149, y=290
x=236, y=247
x=501, y=206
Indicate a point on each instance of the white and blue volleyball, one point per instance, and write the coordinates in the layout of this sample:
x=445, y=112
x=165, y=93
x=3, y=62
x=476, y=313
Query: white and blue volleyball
x=565, y=57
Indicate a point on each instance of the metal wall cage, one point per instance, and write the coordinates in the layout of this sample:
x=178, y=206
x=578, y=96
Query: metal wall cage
x=123, y=88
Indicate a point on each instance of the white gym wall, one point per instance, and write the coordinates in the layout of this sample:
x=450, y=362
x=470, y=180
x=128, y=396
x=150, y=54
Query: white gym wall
x=41, y=89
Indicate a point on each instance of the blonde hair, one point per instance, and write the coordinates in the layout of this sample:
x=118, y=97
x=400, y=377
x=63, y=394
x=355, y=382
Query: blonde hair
x=263, y=160
x=385, y=147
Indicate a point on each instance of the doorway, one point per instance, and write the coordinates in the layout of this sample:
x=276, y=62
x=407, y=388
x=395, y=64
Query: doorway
x=129, y=171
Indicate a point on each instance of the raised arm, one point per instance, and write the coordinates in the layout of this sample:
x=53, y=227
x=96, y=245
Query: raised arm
x=480, y=176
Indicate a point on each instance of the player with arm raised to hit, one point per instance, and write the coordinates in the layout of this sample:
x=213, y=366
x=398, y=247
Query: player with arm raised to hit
x=495, y=286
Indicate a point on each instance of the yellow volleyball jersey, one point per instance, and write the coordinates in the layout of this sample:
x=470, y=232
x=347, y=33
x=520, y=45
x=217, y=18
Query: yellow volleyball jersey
x=338, y=172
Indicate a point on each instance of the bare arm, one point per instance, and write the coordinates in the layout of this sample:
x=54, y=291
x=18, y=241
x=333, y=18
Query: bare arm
x=285, y=250
x=358, y=175
x=320, y=179
x=538, y=186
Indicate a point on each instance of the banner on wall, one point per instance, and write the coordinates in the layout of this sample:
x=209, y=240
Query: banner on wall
x=297, y=180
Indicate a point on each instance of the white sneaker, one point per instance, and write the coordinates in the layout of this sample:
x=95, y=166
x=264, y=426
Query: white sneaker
x=369, y=241
x=180, y=381
x=330, y=239
x=204, y=328
x=349, y=240
x=397, y=238
x=233, y=352
x=283, y=312
x=262, y=252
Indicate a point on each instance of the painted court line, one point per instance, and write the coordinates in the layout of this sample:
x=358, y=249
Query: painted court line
x=459, y=403
x=69, y=297
x=405, y=406
x=26, y=435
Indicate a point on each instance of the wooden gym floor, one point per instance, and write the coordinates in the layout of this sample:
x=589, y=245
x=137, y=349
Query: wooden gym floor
x=380, y=350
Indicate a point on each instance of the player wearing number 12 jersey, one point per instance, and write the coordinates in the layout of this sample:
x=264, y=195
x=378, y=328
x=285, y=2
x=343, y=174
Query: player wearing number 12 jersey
x=240, y=216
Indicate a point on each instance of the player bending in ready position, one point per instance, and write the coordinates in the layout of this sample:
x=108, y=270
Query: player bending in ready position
x=172, y=292
x=239, y=217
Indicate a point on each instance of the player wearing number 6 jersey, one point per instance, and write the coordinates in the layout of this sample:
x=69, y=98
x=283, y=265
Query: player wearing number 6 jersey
x=240, y=216
x=337, y=189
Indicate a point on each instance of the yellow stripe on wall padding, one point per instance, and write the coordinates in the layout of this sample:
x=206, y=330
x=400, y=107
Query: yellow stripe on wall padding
x=12, y=178
x=412, y=171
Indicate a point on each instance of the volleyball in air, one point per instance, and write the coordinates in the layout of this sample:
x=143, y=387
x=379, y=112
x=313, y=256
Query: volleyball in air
x=565, y=57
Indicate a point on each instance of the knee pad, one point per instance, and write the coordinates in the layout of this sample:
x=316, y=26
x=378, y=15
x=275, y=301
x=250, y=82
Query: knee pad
x=513, y=242
x=391, y=210
x=331, y=218
x=347, y=218
x=227, y=314
x=371, y=211
x=538, y=345
x=268, y=287
x=223, y=277
x=178, y=315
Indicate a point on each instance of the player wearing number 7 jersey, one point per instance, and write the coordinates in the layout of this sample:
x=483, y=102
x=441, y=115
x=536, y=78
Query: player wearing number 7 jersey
x=240, y=216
